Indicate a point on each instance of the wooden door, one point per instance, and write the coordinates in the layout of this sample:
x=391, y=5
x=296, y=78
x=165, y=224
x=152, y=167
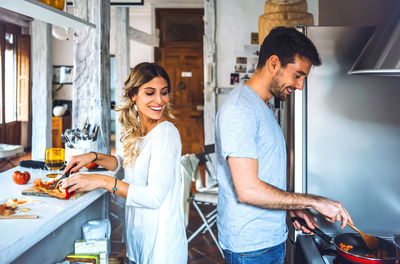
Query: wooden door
x=182, y=58
x=23, y=76
x=185, y=69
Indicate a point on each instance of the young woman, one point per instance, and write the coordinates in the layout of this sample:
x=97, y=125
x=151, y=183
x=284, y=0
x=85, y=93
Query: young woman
x=154, y=223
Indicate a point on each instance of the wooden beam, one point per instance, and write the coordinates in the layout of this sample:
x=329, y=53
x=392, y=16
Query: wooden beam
x=143, y=37
x=42, y=71
x=91, y=85
x=209, y=79
x=209, y=71
x=122, y=63
x=14, y=18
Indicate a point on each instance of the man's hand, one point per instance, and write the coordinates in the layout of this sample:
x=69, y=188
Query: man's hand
x=307, y=216
x=332, y=210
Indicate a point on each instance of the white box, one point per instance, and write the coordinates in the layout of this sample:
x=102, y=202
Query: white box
x=91, y=247
x=103, y=258
x=100, y=247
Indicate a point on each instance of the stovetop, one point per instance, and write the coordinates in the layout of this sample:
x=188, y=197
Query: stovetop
x=334, y=258
x=329, y=253
x=317, y=251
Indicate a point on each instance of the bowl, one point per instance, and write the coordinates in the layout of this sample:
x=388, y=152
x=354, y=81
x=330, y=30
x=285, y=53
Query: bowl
x=59, y=110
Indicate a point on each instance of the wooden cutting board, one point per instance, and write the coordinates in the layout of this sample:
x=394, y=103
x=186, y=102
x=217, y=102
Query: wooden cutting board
x=33, y=191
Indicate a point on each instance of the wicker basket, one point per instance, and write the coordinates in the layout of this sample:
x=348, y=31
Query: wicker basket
x=286, y=13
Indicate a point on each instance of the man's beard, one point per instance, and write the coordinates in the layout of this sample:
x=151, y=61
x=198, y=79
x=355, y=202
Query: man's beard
x=277, y=90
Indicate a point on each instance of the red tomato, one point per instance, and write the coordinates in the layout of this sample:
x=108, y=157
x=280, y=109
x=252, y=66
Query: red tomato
x=92, y=165
x=21, y=178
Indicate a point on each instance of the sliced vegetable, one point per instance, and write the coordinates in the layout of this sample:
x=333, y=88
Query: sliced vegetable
x=92, y=165
x=5, y=210
x=61, y=193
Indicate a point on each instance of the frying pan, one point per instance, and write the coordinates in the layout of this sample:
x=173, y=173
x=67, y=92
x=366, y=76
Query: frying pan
x=359, y=250
x=396, y=240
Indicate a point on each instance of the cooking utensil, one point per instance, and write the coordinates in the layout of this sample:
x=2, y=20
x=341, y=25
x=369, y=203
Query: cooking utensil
x=65, y=175
x=359, y=250
x=370, y=240
x=95, y=133
x=18, y=216
x=84, y=124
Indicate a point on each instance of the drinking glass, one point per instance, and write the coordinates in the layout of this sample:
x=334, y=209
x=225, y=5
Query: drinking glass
x=54, y=160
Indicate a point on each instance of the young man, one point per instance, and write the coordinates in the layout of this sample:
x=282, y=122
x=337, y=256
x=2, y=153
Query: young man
x=251, y=157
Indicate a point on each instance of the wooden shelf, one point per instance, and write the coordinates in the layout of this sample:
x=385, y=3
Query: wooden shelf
x=45, y=13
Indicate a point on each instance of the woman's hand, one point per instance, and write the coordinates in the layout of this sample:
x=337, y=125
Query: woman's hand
x=83, y=182
x=80, y=161
x=307, y=216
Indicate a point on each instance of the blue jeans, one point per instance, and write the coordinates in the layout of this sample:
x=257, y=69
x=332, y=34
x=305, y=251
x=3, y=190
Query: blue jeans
x=271, y=255
x=131, y=262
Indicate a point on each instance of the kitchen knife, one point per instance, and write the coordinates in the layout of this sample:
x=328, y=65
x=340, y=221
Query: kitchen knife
x=65, y=175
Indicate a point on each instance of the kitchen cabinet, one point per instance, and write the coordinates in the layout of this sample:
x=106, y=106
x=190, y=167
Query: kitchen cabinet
x=45, y=13
x=50, y=237
x=59, y=124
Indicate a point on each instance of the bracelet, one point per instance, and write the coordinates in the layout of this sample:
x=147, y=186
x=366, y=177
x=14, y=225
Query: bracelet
x=94, y=154
x=115, y=186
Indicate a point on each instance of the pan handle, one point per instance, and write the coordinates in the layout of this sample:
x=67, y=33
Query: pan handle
x=316, y=230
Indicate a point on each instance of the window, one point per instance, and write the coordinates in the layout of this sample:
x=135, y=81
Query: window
x=10, y=78
x=14, y=82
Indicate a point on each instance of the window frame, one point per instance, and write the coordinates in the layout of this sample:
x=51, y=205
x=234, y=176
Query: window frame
x=16, y=30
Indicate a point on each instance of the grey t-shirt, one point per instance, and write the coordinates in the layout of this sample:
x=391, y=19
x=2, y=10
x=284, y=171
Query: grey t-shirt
x=247, y=128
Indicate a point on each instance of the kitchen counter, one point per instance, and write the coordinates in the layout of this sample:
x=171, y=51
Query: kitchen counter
x=50, y=237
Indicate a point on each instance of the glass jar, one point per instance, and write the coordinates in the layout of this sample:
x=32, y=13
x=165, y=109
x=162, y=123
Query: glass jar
x=59, y=4
x=47, y=2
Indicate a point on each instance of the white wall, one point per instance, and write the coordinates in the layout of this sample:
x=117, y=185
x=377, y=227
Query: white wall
x=233, y=32
x=141, y=19
x=235, y=20
x=63, y=55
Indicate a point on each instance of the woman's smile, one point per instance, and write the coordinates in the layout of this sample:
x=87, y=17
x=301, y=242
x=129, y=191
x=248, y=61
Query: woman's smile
x=155, y=108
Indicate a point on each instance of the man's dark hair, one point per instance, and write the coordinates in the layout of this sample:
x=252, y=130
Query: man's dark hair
x=285, y=43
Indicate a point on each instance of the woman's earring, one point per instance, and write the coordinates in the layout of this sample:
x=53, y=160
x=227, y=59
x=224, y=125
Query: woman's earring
x=137, y=113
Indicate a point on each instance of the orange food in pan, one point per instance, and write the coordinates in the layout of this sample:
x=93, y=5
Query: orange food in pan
x=379, y=254
x=345, y=247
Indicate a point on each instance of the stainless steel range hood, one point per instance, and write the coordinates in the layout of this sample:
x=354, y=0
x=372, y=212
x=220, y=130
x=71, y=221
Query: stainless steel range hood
x=381, y=54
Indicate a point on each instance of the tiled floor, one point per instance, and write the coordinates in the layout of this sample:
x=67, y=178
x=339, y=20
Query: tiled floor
x=202, y=249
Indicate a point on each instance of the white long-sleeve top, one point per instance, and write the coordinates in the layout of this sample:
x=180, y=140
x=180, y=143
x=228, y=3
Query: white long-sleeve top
x=154, y=222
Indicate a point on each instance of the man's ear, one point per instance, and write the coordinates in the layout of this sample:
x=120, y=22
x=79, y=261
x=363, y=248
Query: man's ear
x=273, y=63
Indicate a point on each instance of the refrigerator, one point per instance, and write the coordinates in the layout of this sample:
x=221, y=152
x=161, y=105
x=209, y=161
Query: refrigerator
x=343, y=134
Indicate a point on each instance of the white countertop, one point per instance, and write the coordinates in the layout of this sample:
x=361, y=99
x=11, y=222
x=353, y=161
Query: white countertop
x=18, y=235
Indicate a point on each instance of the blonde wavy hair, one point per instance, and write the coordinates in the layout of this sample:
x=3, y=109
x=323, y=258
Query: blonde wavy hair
x=130, y=125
